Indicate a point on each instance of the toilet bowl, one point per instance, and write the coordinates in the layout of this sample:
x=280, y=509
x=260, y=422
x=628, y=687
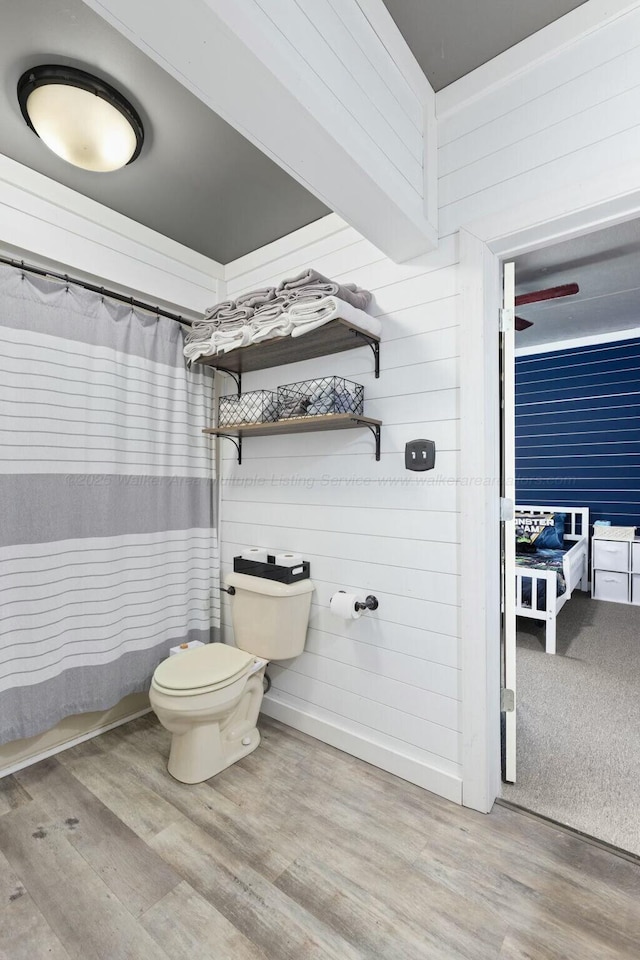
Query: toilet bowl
x=210, y=703
x=209, y=698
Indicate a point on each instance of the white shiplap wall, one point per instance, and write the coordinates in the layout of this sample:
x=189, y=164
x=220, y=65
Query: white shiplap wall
x=570, y=116
x=385, y=687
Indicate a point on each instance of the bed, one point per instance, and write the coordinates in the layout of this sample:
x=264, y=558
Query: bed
x=546, y=578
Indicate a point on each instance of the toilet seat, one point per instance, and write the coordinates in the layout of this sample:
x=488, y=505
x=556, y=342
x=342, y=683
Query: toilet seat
x=203, y=670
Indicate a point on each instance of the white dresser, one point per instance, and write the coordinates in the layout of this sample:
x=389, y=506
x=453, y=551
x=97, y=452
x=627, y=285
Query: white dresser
x=615, y=570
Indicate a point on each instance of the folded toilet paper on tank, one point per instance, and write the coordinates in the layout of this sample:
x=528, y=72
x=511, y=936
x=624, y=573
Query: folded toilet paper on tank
x=288, y=559
x=255, y=553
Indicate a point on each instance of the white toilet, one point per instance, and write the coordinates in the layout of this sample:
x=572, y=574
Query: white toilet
x=209, y=698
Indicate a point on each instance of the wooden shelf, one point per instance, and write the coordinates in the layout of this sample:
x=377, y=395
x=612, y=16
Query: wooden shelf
x=328, y=421
x=333, y=337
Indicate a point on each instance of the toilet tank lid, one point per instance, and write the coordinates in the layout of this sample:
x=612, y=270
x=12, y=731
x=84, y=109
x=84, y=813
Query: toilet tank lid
x=270, y=588
x=202, y=667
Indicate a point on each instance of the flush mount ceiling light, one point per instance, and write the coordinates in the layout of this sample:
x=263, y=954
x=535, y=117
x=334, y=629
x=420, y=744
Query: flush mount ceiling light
x=81, y=118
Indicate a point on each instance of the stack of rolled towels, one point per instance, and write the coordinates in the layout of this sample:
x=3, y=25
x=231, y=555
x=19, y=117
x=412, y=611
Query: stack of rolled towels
x=293, y=308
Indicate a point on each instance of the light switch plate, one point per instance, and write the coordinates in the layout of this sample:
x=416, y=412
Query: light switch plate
x=420, y=455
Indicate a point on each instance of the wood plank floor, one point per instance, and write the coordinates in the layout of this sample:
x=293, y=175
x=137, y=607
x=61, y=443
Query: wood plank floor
x=298, y=852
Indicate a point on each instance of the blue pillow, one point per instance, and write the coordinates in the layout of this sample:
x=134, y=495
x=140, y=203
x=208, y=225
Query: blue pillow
x=542, y=531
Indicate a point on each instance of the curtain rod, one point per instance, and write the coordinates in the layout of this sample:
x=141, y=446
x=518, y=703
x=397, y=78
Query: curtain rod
x=112, y=294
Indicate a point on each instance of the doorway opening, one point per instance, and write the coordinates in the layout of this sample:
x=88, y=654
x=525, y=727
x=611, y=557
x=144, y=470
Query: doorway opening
x=571, y=554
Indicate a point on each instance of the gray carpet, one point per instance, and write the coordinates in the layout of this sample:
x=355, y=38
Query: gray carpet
x=578, y=758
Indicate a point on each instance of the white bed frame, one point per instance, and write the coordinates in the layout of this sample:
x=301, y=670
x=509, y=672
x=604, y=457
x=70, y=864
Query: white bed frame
x=575, y=566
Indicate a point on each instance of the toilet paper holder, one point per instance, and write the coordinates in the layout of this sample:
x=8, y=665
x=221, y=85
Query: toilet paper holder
x=371, y=603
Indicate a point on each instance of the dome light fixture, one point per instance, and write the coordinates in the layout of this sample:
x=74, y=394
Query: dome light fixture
x=82, y=119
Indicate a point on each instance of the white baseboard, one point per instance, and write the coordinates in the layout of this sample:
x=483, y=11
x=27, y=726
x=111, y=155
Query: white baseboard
x=407, y=768
x=59, y=747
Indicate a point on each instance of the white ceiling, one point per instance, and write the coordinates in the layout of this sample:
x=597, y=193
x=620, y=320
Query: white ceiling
x=606, y=267
x=198, y=180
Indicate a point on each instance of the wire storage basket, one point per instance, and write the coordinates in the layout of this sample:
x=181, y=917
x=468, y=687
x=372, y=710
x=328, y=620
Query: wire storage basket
x=314, y=398
x=256, y=406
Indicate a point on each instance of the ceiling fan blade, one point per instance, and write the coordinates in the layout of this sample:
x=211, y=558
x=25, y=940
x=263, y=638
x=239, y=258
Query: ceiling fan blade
x=551, y=293
x=522, y=324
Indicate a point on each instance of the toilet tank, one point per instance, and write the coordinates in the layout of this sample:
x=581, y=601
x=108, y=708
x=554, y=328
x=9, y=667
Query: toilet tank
x=270, y=619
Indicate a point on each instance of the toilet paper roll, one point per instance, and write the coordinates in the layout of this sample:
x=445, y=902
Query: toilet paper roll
x=343, y=605
x=288, y=559
x=255, y=553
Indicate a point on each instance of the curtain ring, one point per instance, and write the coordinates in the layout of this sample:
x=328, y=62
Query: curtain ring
x=66, y=280
x=102, y=294
x=22, y=269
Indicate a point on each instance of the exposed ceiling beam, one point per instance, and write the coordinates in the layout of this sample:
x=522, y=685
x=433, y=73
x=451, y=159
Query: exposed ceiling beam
x=318, y=87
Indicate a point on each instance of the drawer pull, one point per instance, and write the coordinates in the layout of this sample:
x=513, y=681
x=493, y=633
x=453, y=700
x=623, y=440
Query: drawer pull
x=611, y=580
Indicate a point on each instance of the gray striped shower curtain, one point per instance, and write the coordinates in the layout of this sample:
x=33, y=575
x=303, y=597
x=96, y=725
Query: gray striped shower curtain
x=108, y=546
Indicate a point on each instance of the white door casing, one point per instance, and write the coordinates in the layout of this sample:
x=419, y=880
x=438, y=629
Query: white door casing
x=507, y=328
x=480, y=299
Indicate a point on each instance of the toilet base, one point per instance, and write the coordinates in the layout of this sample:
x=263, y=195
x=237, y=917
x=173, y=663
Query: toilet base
x=209, y=736
x=197, y=755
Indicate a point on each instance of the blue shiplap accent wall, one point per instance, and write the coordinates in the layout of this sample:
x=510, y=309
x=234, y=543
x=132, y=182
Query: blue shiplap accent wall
x=578, y=430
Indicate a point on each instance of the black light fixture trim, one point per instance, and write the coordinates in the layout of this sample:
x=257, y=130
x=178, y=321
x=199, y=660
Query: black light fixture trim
x=73, y=77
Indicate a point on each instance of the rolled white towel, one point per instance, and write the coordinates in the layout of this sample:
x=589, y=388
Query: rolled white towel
x=309, y=295
x=193, y=351
x=311, y=315
x=243, y=332
x=199, y=331
x=229, y=345
x=205, y=329
x=270, y=311
x=219, y=342
x=235, y=313
x=280, y=327
x=212, y=312
x=311, y=280
x=256, y=298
